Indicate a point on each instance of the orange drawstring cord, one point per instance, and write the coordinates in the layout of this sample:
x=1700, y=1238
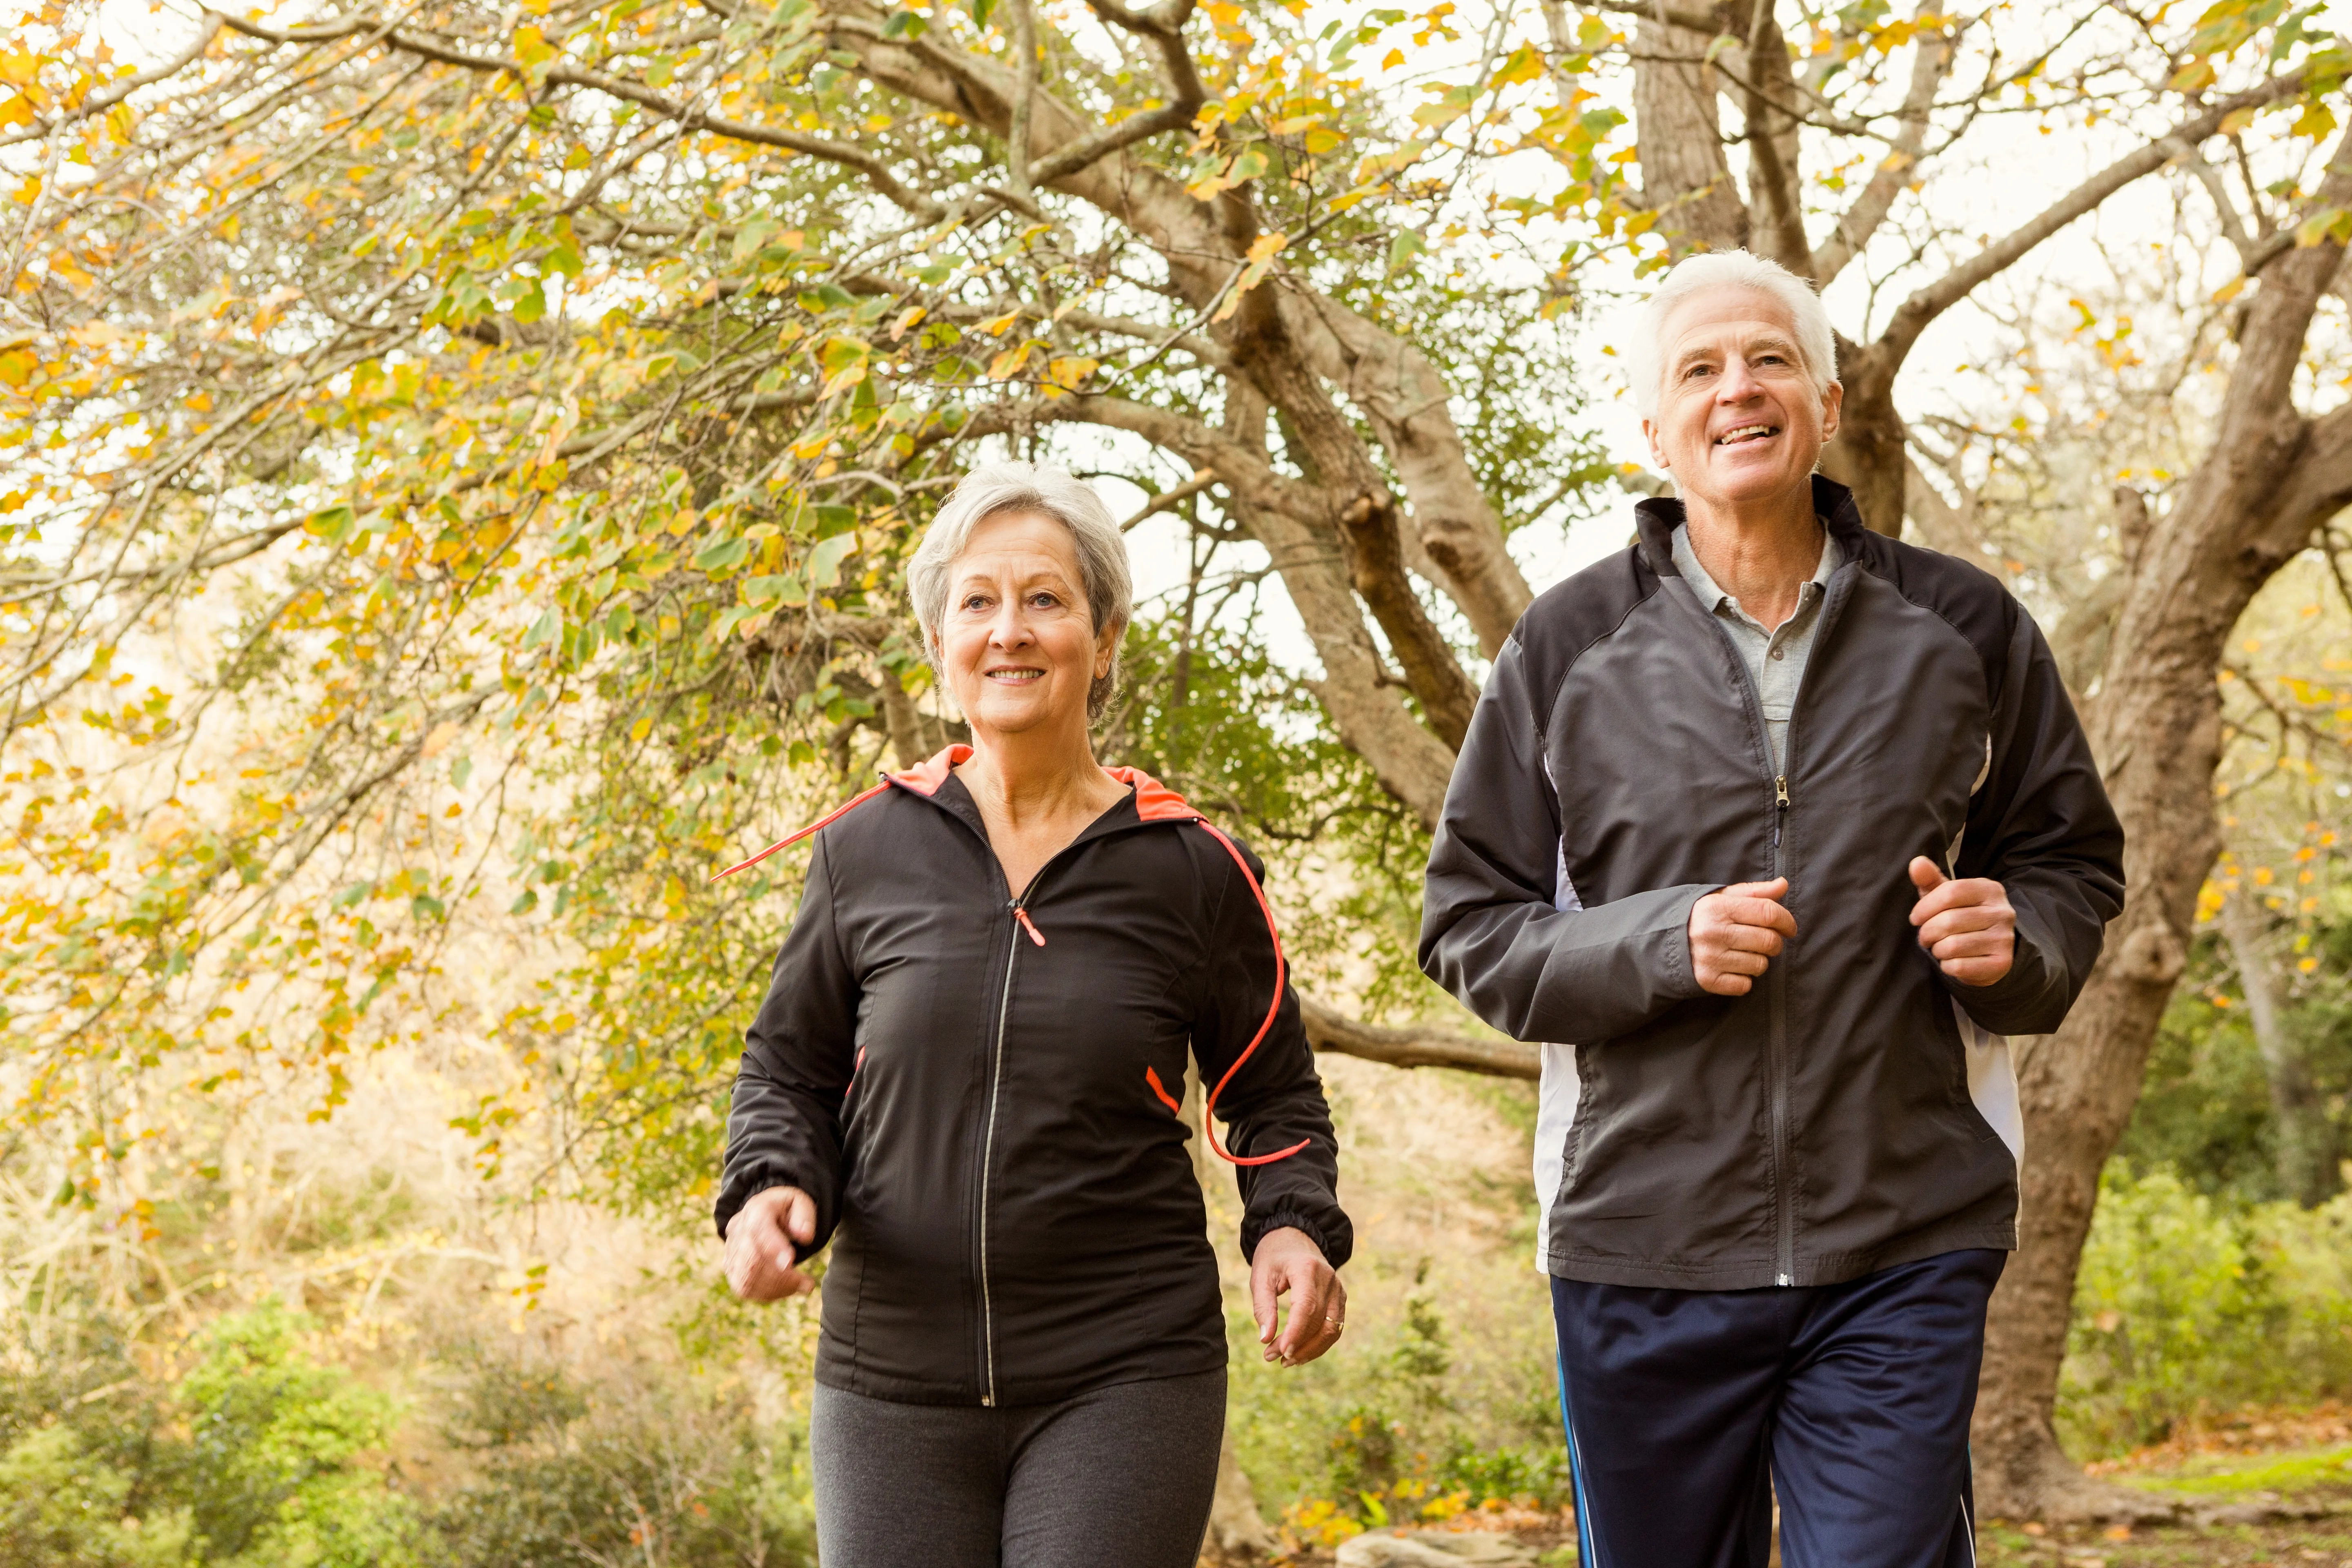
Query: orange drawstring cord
x=1273, y=1008
x=1152, y=1076
x=790, y=839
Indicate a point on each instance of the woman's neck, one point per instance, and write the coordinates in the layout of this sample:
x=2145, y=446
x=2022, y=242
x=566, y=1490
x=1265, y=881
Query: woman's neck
x=1031, y=780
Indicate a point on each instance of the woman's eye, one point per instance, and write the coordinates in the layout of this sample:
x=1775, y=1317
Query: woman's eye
x=1042, y=601
x=975, y=602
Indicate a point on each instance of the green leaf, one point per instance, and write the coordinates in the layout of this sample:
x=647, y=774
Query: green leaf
x=825, y=561
x=354, y=894
x=332, y=523
x=460, y=771
x=905, y=25
x=833, y=520
x=424, y=907
x=532, y=305
x=772, y=589
x=544, y=629
x=524, y=905
x=720, y=557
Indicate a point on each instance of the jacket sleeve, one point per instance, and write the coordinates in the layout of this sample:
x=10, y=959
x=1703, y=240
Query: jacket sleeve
x=2042, y=827
x=783, y=1128
x=1277, y=1099
x=1490, y=930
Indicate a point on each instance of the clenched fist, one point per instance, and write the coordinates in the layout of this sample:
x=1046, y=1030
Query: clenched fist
x=1736, y=932
x=1966, y=924
x=760, y=1245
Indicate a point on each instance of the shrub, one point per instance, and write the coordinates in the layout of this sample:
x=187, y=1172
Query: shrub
x=271, y=1470
x=641, y=1471
x=63, y=1507
x=2186, y=1305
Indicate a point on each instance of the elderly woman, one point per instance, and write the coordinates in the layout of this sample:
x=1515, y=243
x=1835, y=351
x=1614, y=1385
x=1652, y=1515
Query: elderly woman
x=1783, y=824
x=965, y=1077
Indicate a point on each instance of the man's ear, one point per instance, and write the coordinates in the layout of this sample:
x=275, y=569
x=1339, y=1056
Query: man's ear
x=1657, y=453
x=1832, y=404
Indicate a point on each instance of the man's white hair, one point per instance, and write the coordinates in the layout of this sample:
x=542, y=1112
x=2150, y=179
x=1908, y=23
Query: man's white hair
x=997, y=488
x=1816, y=341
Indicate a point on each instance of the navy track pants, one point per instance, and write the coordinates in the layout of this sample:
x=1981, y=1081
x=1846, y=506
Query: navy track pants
x=1686, y=1411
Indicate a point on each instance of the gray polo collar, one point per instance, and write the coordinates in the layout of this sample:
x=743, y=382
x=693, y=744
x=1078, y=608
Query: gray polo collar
x=1712, y=597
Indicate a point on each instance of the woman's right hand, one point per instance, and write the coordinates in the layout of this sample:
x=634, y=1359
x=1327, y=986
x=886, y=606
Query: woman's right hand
x=760, y=1245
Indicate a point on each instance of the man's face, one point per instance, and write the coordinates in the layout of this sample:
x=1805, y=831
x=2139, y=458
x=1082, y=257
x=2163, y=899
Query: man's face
x=1738, y=420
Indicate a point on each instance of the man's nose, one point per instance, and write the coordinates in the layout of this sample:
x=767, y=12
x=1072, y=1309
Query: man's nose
x=1738, y=383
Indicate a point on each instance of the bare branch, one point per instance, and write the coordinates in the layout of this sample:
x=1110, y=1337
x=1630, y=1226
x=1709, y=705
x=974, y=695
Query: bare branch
x=1913, y=315
x=1025, y=94
x=1328, y=1029
x=671, y=109
x=1931, y=65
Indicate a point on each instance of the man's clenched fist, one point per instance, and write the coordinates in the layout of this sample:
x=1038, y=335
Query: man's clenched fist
x=1736, y=932
x=1966, y=924
x=760, y=1245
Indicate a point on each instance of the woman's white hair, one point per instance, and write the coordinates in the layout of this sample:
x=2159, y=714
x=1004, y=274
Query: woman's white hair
x=997, y=488
x=1816, y=341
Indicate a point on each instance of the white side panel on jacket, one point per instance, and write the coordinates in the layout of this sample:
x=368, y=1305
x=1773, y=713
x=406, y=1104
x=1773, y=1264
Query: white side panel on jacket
x=1556, y=1094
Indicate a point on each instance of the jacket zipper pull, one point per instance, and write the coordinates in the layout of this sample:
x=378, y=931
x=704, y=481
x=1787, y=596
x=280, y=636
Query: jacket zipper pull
x=1780, y=804
x=1028, y=925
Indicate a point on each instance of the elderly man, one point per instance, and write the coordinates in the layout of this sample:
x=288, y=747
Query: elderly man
x=1785, y=825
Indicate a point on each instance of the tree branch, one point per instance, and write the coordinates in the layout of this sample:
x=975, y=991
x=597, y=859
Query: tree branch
x=1772, y=177
x=686, y=118
x=101, y=102
x=1328, y=1029
x=1912, y=316
x=1929, y=66
x=1376, y=568
x=1025, y=94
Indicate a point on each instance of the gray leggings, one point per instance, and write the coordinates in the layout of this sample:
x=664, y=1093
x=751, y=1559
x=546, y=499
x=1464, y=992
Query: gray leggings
x=1121, y=1476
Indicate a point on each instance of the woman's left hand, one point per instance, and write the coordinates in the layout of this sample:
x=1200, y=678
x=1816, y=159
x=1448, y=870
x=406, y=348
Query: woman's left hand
x=1289, y=1263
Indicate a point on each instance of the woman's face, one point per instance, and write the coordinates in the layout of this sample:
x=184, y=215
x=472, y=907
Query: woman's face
x=1017, y=643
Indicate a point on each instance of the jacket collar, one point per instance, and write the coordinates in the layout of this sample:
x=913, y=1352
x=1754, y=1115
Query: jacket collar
x=1153, y=801
x=1656, y=518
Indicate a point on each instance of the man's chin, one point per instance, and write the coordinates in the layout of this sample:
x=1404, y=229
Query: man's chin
x=1750, y=482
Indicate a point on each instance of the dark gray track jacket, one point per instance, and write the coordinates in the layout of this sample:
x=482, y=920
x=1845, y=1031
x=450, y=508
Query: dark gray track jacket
x=1617, y=770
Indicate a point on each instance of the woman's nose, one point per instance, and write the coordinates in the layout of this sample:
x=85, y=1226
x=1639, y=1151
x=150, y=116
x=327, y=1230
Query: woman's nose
x=1010, y=627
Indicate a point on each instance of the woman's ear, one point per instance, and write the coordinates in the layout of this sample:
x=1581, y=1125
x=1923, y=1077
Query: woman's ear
x=1107, y=646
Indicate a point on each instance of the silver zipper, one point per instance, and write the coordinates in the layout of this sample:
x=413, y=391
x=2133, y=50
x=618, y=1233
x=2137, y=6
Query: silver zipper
x=988, y=1156
x=1784, y=1221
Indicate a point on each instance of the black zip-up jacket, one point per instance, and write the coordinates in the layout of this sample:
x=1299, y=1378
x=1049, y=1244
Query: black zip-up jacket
x=1618, y=769
x=1013, y=1208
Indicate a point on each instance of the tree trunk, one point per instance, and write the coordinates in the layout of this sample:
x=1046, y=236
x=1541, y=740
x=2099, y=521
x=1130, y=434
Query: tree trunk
x=1237, y=1537
x=1678, y=126
x=2307, y=1151
x=2250, y=507
x=1868, y=456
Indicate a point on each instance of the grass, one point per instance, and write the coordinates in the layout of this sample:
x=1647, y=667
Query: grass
x=2241, y=1546
x=2237, y=1476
